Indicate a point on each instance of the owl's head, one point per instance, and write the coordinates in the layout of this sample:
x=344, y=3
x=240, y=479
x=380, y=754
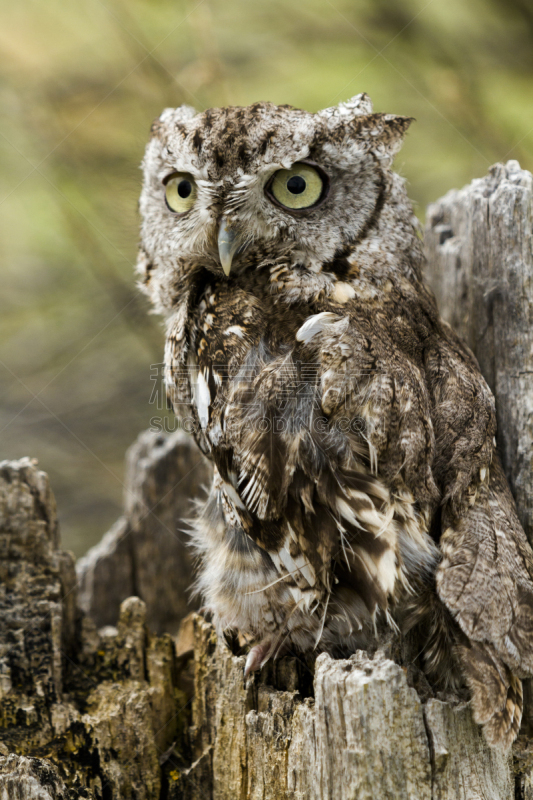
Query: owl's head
x=235, y=189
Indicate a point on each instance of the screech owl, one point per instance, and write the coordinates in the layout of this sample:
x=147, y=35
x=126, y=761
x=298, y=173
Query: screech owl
x=356, y=478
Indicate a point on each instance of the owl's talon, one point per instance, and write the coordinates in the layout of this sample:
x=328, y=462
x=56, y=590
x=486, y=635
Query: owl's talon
x=256, y=659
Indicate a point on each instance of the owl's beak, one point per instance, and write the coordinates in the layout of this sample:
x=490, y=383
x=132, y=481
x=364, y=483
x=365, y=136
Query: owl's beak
x=228, y=244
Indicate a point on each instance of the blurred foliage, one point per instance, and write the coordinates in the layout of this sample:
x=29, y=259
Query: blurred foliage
x=80, y=85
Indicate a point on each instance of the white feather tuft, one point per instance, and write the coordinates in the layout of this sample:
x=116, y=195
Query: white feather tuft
x=315, y=324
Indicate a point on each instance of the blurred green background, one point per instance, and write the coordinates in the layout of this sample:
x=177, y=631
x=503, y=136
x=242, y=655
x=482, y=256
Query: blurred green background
x=80, y=84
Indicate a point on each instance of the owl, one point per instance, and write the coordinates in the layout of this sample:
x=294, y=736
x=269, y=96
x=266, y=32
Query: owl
x=352, y=436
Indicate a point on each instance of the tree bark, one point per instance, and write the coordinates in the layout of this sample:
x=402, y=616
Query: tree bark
x=79, y=710
x=122, y=713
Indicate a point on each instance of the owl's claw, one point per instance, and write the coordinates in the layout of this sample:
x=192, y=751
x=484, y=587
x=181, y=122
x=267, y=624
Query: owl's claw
x=257, y=658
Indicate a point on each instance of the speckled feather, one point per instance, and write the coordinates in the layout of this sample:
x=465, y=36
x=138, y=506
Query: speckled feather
x=351, y=432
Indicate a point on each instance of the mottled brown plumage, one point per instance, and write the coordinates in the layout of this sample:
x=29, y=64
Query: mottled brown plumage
x=351, y=432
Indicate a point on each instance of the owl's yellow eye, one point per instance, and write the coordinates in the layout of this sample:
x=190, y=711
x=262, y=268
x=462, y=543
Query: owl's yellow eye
x=300, y=187
x=180, y=192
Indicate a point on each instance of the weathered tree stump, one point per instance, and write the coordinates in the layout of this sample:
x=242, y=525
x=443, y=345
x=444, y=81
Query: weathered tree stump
x=121, y=713
x=359, y=731
x=145, y=552
x=81, y=714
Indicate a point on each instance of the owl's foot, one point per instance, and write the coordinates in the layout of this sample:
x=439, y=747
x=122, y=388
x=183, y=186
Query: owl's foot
x=263, y=652
x=257, y=657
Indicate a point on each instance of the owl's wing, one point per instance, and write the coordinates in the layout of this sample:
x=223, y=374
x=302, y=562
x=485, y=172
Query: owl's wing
x=485, y=577
x=485, y=580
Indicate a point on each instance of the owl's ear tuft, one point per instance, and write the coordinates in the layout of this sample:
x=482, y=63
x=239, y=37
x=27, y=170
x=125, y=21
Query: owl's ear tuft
x=357, y=105
x=172, y=116
x=354, y=121
x=384, y=133
x=380, y=134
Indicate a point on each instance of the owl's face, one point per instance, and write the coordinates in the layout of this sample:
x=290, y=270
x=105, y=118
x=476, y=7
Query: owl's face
x=242, y=188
